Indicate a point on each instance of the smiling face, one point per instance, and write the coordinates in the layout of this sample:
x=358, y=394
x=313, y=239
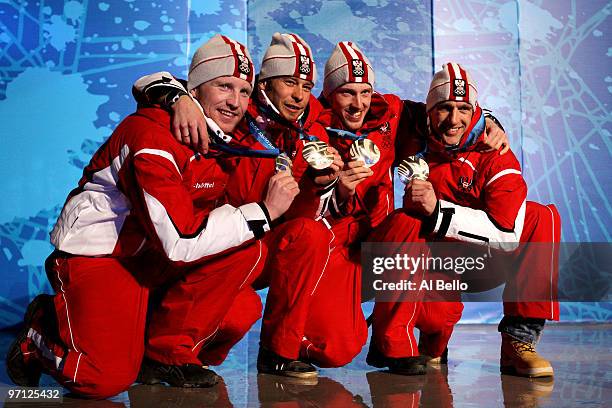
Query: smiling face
x=288, y=94
x=449, y=120
x=351, y=102
x=225, y=100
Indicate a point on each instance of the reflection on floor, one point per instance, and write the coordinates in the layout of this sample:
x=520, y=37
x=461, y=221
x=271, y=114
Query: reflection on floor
x=580, y=355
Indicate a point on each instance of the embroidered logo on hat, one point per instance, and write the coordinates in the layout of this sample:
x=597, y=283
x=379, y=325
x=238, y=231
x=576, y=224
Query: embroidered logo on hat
x=358, y=67
x=305, y=64
x=244, y=65
x=459, y=87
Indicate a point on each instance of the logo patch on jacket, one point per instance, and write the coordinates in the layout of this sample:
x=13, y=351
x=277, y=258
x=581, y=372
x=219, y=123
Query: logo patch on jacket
x=385, y=131
x=466, y=183
x=205, y=184
x=385, y=128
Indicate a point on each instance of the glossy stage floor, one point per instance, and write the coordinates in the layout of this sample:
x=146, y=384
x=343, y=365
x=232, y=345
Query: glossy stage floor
x=581, y=357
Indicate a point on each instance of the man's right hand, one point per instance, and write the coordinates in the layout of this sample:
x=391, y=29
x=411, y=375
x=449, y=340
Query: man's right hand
x=189, y=125
x=326, y=176
x=420, y=197
x=353, y=174
x=282, y=189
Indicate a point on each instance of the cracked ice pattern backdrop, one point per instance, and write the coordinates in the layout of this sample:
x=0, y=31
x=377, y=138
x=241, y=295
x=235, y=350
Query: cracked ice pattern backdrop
x=66, y=68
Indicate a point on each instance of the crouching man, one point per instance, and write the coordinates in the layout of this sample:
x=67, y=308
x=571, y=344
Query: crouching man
x=479, y=198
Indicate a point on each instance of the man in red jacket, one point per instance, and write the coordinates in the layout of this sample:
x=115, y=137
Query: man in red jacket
x=479, y=198
x=336, y=329
x=284, y=110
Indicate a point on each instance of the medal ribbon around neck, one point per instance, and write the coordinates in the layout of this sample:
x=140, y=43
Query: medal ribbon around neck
x=345, y=134
x=315, y=151
x=270, y=111
x=219, y=142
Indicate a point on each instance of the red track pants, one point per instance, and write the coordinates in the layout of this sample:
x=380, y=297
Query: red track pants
x=394, y=322
x=101, y=308
x=336, y=330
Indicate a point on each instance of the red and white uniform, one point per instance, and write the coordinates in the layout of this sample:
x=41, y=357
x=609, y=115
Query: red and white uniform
x=293, y=278
x=147, y=212
x=482, y=200
x=336, y=330
x=143, y=186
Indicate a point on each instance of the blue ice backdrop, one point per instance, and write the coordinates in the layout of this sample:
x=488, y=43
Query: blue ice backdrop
x=66, y=69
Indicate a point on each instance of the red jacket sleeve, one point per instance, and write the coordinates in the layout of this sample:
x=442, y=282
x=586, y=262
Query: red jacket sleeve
x=165, y=208
x=505, y=191
x=500, y=223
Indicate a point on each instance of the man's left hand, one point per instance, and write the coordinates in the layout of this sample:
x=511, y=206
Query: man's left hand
x=495, y=138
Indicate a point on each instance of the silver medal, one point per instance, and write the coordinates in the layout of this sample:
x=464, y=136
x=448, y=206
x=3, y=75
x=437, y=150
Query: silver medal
x=283, y=163
x=366, y=151
x=411, y=168
x=316, y=155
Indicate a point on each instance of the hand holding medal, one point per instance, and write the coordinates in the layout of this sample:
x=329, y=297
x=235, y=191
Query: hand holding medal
x=362, y=148
x=414, y=167
x=317, y=154
x=419, y=195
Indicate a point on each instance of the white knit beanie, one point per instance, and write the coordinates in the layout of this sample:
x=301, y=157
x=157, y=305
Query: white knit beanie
x=220, y=56
x=288, y=55
x=346, y=64
x=451, y=84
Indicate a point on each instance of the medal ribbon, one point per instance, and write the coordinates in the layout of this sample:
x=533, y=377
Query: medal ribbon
x=345, y=134
x=271, y=151
x=260, y=135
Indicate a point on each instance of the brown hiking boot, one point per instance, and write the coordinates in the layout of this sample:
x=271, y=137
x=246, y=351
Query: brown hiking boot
x=520, y=358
